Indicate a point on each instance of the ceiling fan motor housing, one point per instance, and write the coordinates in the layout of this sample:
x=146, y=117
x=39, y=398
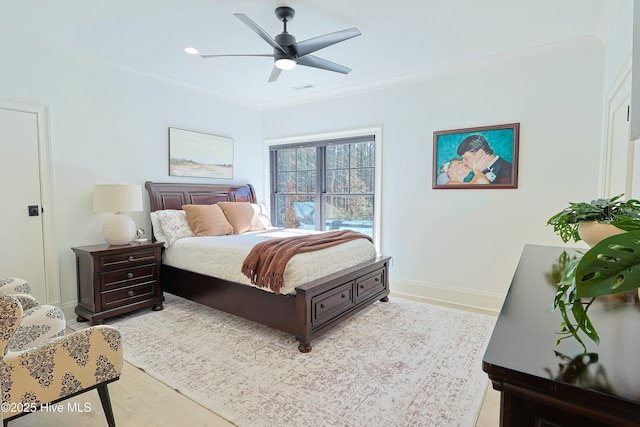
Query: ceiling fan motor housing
x=285, y=40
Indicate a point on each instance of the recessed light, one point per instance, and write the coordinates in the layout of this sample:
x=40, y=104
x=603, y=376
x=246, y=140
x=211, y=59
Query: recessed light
x=191, y=50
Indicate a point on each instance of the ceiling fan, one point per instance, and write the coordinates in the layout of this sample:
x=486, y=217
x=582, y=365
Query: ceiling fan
x=287, y=52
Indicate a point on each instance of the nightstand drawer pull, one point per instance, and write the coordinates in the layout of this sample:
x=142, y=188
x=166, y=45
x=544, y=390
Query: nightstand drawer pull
x=131, y=258
x=130, y=275
x=131, y=293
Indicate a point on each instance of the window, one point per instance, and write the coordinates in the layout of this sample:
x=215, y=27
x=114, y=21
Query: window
x=324, y=185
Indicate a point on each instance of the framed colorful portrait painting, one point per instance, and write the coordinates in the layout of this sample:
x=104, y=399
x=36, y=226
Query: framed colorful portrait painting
x=476, y=158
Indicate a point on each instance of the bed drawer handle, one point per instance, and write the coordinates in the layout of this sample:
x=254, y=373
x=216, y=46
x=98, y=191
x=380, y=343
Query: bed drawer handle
x=129, y=275
x=321, y=305
x=131, y=258
x=131, y=293
x=343, y=296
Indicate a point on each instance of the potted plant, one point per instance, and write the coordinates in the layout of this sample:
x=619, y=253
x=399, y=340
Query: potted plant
x=614, y=212
x=609, y=267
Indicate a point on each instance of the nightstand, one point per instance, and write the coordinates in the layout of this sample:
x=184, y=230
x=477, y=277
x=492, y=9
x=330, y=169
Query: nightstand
x=114, y=280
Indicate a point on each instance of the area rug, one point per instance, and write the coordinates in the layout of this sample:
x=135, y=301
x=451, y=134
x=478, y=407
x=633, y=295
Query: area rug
x=399, y=363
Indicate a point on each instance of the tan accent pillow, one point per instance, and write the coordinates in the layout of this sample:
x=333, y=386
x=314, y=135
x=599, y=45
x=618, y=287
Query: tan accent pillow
x=207, y=220
x=239, y=215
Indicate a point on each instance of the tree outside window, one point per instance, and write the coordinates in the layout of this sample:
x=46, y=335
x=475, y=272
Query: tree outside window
x=324, y=186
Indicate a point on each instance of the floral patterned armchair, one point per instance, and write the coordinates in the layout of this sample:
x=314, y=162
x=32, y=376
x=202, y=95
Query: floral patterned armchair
x=37, y=369
x=39, y=322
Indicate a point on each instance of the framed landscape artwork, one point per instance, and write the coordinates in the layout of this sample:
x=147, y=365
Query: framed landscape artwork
x=476, y=158
x=197, y=154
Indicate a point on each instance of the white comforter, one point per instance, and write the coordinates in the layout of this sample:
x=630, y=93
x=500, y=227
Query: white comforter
x=222, y=257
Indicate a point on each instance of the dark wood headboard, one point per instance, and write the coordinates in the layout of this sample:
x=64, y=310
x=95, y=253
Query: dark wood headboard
x=172, y=195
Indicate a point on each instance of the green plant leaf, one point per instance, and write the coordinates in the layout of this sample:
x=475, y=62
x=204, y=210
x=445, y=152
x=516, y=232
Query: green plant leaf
x=612, y=266
x=627, y=223
x=567, y=327
x=583, y=321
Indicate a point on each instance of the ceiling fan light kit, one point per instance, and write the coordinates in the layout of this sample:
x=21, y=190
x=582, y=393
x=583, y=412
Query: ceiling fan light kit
x=287, y=52
x=285, y=63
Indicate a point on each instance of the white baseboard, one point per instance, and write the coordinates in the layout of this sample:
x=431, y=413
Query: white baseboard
x=69, y=310
x=487, y=302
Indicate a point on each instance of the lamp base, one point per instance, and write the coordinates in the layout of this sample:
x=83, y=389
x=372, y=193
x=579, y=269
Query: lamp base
x=119, y=229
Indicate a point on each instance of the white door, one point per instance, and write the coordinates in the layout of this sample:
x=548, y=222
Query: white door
x=21, y=235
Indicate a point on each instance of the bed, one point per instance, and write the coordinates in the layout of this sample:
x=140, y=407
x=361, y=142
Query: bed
x=315, y=306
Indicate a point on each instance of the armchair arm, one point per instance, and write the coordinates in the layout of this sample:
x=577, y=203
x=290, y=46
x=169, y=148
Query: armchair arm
x=38, y=324
x=10, y=318
x=14, y=285
x=61, y=367
x=27, y=301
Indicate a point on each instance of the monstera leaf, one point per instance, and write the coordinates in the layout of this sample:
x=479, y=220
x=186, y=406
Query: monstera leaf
x=612, y=266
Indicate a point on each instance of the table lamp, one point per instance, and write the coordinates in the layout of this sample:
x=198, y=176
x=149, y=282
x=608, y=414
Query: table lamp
x=118, y=229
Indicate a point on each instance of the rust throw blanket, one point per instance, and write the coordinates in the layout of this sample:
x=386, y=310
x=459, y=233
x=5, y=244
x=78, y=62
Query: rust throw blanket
x=266, y=262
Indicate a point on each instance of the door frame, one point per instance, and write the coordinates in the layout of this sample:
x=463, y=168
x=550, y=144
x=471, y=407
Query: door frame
x=618, y=94
x=52, y=286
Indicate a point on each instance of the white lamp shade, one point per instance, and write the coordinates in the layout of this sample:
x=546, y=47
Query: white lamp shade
x=117, y=198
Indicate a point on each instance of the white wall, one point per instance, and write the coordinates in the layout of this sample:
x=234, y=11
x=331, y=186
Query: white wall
x=463, y=245
x=619, y=45
x=110, y=125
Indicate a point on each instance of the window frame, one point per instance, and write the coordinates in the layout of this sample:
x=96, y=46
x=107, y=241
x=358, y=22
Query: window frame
x=326, y=138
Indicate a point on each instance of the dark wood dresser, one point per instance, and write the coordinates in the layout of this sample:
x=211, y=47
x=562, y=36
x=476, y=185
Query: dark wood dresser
x=114, y=280
x=545, y=385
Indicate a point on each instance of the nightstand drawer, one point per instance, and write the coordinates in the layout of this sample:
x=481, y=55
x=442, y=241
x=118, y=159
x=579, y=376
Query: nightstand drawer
x=124, y=260
x=370, y=284
x=128, y=295
x=127, y=277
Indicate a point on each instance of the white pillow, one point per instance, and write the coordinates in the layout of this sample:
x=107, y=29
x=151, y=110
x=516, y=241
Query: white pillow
x=261, y=220
x=157, y=229
x=174, y=225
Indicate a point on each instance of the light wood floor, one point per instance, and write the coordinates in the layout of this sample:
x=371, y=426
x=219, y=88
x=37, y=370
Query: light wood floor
x=490, y=412
x=139, y=400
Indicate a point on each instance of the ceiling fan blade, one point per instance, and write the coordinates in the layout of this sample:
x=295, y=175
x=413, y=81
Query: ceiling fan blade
x=238, y=54
x=306, y=47
x=275, y=73
x=262, y=33
x=315, y=62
